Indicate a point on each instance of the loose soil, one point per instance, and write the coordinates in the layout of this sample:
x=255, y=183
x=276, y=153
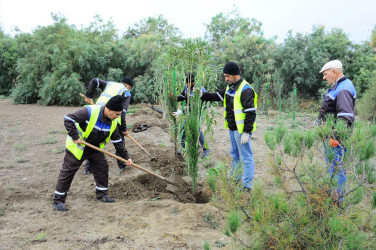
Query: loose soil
x=145, y=215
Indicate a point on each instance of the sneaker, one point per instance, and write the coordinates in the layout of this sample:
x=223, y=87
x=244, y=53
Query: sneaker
x=87, y=170
x=60, y=207
x=106, y=199
x=205, y=153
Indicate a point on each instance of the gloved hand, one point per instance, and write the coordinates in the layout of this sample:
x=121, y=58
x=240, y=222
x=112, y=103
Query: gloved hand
x=244, y=138
x=197, y=90
x=177, y=113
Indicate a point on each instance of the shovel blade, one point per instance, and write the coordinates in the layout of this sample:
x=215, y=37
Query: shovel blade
x=180, y=185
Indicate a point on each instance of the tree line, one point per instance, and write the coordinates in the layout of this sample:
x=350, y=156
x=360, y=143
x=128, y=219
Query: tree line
x=53, y=63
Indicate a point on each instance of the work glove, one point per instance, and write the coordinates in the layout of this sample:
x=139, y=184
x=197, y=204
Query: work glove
x=197, y=90
x=177, y=113
x=244, y=138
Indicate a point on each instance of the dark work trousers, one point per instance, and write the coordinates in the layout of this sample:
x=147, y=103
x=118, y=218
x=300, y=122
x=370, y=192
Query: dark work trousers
x=121, y=164
x=69, y=168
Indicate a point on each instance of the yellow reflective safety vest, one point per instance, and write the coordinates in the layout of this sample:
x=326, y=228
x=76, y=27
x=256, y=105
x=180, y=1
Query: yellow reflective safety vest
x=78, y=149
x=112, y=89
x=238, y=107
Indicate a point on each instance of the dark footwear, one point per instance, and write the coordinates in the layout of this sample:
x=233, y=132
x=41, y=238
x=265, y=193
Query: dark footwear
x=122, y=169
x=246, y=189
x=106, y=199
x=60, y=207
x=179, y=152
x=87, y=170
x=205, y=153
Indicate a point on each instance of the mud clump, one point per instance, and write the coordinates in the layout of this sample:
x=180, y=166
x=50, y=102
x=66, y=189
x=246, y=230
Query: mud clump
x=148, y=187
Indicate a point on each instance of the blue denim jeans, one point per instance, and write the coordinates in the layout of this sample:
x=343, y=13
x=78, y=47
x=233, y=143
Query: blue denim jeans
x=242, y=156
x=336, y=170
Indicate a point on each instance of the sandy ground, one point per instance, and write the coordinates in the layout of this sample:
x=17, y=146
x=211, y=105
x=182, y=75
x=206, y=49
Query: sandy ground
x=145, y=214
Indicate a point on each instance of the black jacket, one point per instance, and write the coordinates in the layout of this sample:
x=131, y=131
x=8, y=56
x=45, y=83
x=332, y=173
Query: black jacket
x=247, y=100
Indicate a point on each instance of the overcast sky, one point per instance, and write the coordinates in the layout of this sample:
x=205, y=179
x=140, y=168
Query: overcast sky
x=355, y=17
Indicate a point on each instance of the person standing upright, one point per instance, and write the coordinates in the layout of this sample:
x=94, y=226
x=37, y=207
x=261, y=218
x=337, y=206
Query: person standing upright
x=183, y=96
x=339, y=102
x=240, y=103
x=111, y=89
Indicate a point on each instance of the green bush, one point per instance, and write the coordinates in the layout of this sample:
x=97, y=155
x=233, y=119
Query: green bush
x=366, y=107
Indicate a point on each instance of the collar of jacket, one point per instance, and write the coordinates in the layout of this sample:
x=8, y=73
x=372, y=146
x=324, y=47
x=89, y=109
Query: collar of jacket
x=338, y=81
x=236, y=85
x=102, y=118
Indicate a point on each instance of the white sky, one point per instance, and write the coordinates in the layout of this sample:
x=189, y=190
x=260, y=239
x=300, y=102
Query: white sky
x=355, y=17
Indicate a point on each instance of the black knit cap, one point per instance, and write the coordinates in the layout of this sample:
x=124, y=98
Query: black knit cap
x=127, y=80
x=115, y=103
x=231, y=68
x=189, y=77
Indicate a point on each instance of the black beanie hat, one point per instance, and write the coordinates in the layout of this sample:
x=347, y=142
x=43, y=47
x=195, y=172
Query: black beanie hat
x=115, y=103
x=127, y=80
x=189, y=77
x=231, y=68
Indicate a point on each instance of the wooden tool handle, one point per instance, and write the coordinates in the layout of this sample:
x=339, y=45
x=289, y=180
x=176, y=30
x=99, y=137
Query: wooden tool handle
x=139, y=145
x=124, y=160
x=83, y=96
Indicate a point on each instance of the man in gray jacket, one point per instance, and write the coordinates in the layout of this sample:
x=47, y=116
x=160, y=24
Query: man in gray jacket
x=339, y=102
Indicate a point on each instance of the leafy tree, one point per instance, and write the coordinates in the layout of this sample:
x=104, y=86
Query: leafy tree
x=366, y=106
x=8, y=58
x=141, y=46
x=228, y=25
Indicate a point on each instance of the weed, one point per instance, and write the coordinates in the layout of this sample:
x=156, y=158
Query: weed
x=21, y=160
x=13, y=130
x=20, y=147
x=163, y=144
x=57, y=131
x=219, y=243
x=207, y=217
x=1, y=212
x=11, y=186
x=41, y=237
x=174, y=210
x=58, y=150
x=206, y=245
x=49, y=140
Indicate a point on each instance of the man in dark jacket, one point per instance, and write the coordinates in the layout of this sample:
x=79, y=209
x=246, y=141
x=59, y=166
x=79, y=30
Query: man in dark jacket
x=110, y=89
x=240, y=102
x=183, y=96
x=96, y=125
x=339, y=102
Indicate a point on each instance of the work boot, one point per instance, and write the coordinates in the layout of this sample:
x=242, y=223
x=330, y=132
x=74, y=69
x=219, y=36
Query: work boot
x=106, y=199
x=60, y=207
x=205, y=153
x=123, y=168
x=87, y=170
x=245, y=189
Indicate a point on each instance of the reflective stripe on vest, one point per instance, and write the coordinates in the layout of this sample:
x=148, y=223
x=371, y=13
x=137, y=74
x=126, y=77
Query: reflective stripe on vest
x=78, y=149
x=239, y=112
x=112, y=89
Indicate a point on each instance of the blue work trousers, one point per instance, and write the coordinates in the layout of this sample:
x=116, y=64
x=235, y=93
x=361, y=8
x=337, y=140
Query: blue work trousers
x=336, y=170
x=242, y=156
